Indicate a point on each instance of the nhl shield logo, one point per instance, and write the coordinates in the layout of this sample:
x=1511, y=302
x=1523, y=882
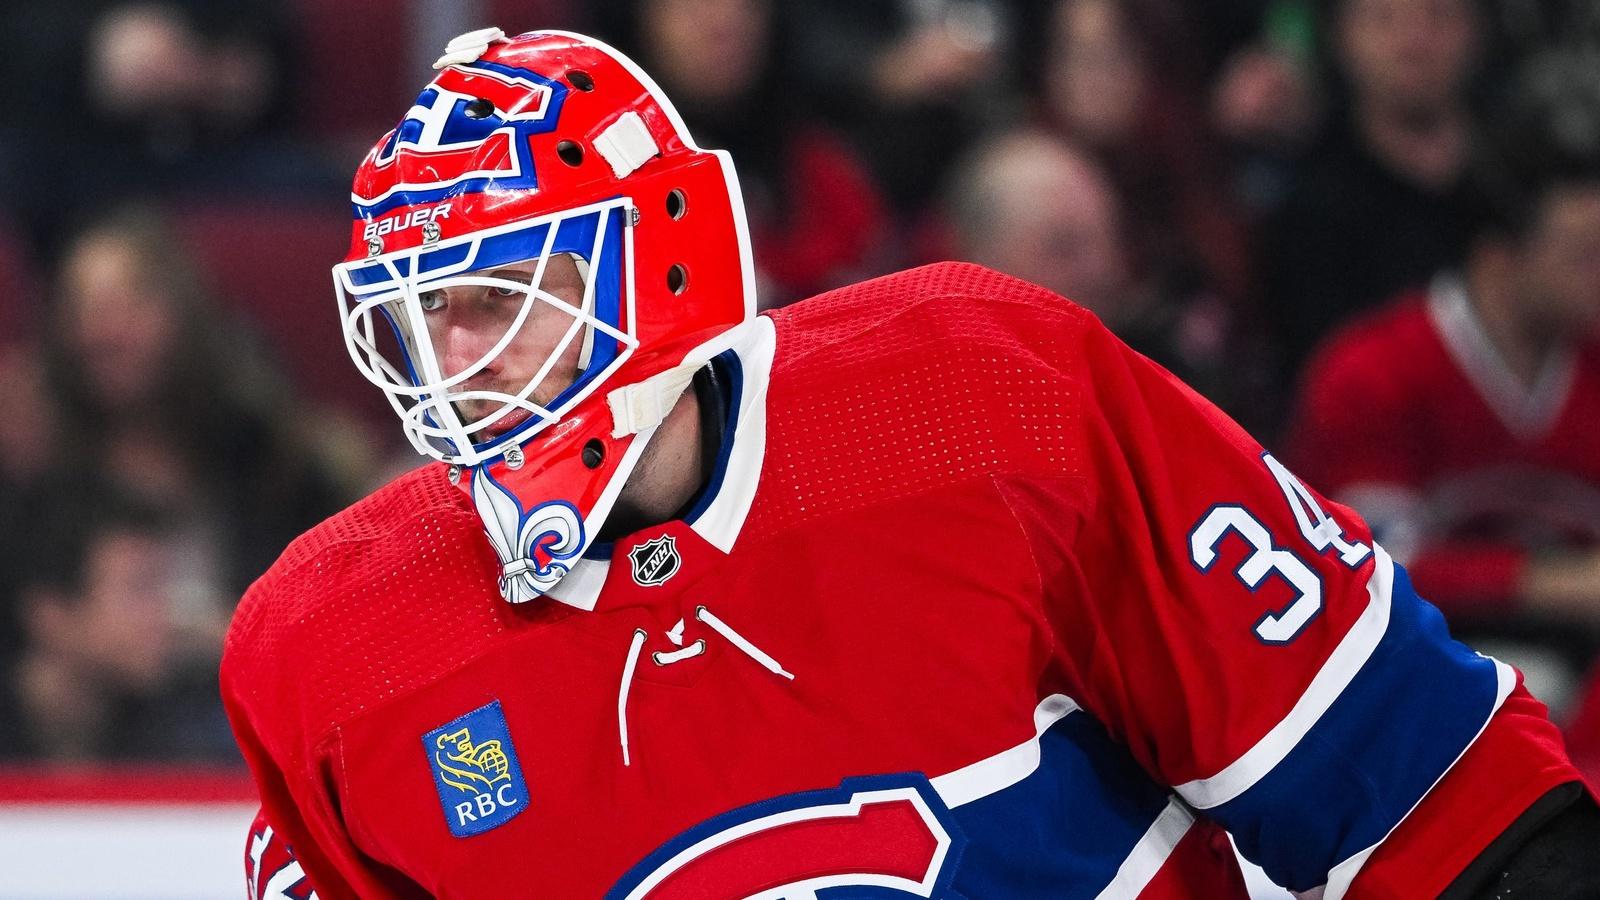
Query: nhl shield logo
x=655, y=561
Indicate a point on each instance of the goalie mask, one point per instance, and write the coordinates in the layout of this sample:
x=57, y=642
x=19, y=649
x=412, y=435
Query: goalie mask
x=540, y=261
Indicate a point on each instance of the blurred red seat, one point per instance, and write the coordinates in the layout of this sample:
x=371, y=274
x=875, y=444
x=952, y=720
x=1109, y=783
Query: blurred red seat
x=272, y=261
x=356, y=76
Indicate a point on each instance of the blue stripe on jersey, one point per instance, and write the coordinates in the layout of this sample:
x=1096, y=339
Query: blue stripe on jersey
x=1064, y=830
x=1412, y=709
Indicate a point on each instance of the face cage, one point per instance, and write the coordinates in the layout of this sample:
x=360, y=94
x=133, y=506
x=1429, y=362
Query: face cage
x=389, y=287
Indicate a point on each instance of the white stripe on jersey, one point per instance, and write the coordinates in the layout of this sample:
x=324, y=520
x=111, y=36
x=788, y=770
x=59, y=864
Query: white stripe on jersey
x=1330, y=681
x=1150, y=854
x=1002, y=770
x=1341, y=876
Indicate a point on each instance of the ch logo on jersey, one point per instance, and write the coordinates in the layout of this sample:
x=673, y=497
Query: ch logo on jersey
x=884, y=836
x=655, y=561
x=475, y=771
x=451, y=142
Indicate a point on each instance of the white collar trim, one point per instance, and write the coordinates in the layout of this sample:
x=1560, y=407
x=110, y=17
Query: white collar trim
x=721, y=522
x=1527, y=412
x=580, y=587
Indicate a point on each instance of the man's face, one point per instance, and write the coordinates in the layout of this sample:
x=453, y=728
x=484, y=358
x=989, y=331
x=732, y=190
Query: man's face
x=124, y=614
x=1414, y=53
x=708, y=51
x=1561, y=262
x=1072, y=243
x=1096, y=81
x=466, y=321
x=120, y=327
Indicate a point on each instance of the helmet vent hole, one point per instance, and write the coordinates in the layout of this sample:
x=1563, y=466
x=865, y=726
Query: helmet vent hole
x=677, y=204
x=570, y=153
x=580, y=80
x=479, y=108
x=594, y=453
x=677, y=278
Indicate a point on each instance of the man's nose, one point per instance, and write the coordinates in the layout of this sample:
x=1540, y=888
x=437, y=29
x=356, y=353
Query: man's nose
x=463, y=336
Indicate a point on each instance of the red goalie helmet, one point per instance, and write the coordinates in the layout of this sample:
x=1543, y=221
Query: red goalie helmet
x=540, y=259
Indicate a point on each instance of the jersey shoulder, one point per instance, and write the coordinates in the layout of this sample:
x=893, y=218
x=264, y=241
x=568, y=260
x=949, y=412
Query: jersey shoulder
x=928, y=379
x=385, y=515
x=951, y=301
x=366, y=605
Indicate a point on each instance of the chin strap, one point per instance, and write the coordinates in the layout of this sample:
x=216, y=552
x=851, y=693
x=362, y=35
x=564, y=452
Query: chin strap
x=645, y=404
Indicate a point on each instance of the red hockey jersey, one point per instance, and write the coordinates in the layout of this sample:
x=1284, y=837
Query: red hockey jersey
x=1411, y=415
x=978, y=603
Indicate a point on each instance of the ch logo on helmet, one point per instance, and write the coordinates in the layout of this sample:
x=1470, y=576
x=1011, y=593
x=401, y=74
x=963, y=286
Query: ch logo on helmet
x=655, y=561
x=468, y=129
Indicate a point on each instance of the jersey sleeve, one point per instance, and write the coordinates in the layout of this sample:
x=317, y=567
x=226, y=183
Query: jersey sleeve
x=296, y=782
x=271, y=870
x=1249, y=641
x=296, y=813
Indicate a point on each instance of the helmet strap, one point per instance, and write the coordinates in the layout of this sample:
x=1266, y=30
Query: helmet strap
x=644, y=404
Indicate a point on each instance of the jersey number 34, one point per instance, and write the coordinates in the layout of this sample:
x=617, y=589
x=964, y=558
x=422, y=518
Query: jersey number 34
x=1266, y=557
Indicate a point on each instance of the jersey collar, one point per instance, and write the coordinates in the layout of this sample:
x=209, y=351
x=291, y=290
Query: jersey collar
x=719, y=515
x=1528, y=412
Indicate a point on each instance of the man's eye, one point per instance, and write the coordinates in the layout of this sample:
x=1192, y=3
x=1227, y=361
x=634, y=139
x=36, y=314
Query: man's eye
x=500, y=290
x=431, y=301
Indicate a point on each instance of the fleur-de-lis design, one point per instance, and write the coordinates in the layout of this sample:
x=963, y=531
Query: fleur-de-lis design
x=534, y=546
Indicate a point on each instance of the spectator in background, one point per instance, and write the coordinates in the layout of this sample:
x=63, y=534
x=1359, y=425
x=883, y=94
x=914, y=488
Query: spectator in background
x=163, y=398
x=1583, y=731
x=1265, y=106
x=143, y=96
x=1384, y=203
x=1460, y=419
x=817, y=219
x=1074, y=245
x=103, y=673
x=1105, y=82
x=179, y=76
x=912, y=82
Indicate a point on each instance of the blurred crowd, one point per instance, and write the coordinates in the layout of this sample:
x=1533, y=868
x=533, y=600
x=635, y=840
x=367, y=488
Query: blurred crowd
x=1368, y=229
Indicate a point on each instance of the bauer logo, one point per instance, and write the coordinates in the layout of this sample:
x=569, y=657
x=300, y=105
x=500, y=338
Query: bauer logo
x=475, y=771
x=655, y=561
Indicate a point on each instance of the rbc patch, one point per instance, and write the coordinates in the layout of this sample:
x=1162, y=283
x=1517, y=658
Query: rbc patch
x=476, y=772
